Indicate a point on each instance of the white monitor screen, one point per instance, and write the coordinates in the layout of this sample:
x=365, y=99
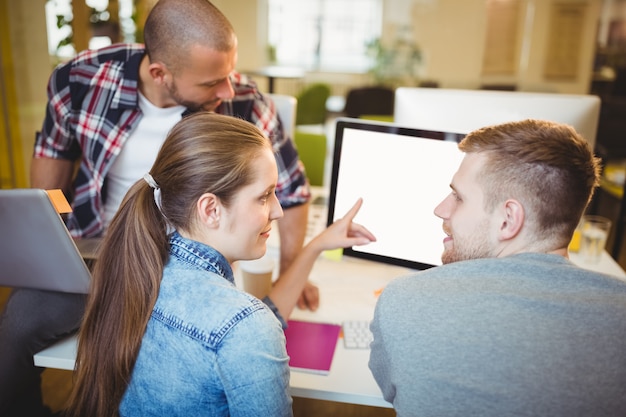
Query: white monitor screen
x=402, y=174
x=466, y=110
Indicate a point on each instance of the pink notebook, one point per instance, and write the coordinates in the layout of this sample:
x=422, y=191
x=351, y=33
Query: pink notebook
x=311, y=346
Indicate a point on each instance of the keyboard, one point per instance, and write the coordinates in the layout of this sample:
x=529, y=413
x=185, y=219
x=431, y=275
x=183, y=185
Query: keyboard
x=317, y=219
x=356, y=334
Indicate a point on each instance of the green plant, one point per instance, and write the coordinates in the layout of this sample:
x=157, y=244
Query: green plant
x=398, y=63
x=65, y=21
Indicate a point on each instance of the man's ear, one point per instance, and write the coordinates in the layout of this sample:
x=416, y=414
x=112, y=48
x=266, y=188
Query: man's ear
x=158, y=72
x=209, y=210
x=512, y=220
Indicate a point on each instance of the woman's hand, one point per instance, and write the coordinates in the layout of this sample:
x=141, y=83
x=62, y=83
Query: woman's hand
x=287, y=290
x=344, y=232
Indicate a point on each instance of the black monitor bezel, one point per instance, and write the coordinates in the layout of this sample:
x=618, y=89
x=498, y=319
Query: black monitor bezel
x=385, y=127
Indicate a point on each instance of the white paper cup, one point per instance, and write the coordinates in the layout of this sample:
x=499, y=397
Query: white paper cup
x=256, y=276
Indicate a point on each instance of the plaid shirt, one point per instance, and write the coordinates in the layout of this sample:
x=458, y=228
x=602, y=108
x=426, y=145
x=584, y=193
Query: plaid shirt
x=93, y=109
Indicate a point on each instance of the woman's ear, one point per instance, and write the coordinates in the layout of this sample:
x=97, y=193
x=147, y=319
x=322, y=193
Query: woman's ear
x=209, y=210
x=513, y=219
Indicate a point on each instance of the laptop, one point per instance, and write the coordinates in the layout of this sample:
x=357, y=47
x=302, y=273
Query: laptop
x=36, y=249
x=402, y=174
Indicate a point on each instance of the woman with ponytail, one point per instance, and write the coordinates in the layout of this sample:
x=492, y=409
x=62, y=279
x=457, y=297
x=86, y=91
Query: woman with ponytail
x=166, y=332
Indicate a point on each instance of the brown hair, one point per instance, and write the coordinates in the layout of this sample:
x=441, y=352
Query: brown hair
x=204, y=153
x=174, y=26
x=547, y=166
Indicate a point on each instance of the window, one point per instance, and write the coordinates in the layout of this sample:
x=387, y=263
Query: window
x=59, y=15
x=329, y=35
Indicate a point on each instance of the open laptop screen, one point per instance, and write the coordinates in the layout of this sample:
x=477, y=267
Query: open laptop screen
x=36, y=249
x=401, y=174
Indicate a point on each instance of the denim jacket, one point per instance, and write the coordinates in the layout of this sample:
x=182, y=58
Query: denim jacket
x=209, y=348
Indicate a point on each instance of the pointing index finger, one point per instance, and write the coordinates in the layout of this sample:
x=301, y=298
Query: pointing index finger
x=351, y=214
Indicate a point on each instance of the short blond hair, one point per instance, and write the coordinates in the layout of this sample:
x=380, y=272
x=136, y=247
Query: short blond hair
x=547, y=166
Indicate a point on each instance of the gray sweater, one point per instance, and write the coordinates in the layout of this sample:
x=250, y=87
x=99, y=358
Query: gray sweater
x=526, y=335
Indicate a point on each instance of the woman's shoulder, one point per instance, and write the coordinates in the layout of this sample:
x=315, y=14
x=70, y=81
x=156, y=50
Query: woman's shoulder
x=207, y=302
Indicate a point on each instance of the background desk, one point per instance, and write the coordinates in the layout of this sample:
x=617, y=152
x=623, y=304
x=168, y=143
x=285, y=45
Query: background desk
x=274, y=72
x=348, y=291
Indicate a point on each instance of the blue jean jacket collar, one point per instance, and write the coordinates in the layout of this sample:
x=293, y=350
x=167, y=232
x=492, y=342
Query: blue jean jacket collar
x=199, y=255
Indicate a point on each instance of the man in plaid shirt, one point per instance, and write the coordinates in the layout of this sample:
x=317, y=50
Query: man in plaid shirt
x=107, y=115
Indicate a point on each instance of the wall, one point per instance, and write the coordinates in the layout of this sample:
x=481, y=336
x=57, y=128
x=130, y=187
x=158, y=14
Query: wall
x=451, y=33
x=249, y=18
x=533, y=74
x=25, y=69
x=452, y=36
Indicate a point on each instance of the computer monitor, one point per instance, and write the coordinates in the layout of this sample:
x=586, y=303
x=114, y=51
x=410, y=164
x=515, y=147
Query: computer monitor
x=401, y=174
x=467, y=110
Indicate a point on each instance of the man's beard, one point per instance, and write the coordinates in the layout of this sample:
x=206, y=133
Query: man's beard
x=475, y=247
x=190, y=105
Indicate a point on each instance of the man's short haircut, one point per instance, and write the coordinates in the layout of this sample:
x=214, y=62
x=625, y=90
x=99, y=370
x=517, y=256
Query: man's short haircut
x=174, y=26
x=547, y=166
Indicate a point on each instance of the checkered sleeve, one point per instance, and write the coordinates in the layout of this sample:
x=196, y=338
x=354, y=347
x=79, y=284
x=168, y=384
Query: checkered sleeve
x=55, y=139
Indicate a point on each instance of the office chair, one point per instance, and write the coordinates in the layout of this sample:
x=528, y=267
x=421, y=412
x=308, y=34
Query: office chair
x=377, y=117
x=286, y=106
x=372, y=100
x=311, y=146
x=312, y=150
x=312, y=104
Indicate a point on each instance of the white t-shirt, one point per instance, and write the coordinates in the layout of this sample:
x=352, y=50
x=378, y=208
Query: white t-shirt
x=139, y=152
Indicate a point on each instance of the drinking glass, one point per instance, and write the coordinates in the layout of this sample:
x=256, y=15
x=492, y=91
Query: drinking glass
x=594, y=231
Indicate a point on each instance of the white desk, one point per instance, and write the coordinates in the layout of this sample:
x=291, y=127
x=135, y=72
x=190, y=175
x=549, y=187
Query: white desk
x=275, y=71
x=348, y=291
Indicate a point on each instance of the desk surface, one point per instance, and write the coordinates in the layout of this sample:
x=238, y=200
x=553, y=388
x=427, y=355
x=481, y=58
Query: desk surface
x=277, y=71
x=348, y=291
x=273, y=72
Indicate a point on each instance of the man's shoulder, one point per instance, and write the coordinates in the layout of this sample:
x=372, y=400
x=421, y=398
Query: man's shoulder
x=455, y=268
x=111, y=68
x=184, y=293
x=522, y=267
x=116, y=52
x=471, y=270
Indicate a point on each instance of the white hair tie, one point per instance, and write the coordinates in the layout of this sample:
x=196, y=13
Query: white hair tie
x=151, y=182
x=157, y=190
